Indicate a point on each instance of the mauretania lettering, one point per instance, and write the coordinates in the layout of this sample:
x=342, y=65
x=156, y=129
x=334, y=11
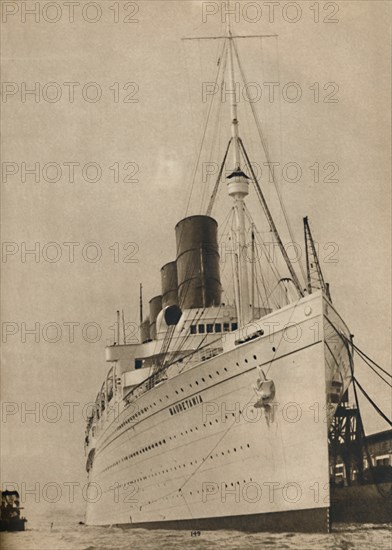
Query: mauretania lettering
x=186, y=404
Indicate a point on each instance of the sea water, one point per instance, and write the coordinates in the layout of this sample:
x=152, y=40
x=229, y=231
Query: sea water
x=64, y=534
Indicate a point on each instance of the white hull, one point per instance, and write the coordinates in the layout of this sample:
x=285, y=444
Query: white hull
x=216, y=456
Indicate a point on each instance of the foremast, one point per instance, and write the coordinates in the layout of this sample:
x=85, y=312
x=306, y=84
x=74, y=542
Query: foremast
x=238, y=189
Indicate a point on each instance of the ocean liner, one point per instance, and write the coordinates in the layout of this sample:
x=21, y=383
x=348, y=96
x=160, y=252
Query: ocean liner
x=219, y=416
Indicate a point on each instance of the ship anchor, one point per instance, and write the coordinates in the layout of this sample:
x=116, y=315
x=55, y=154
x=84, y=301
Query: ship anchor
x=265, y=391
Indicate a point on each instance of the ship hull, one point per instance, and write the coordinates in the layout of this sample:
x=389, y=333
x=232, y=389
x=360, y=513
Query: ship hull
x=370, y=503
x=200, y=452
x=312, y=521
x=12, y=524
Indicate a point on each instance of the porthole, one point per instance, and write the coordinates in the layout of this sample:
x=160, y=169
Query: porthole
x=273, y=349
x=308, y=311
x=254, y=357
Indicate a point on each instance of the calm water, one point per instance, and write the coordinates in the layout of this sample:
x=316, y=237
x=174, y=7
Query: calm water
x=71, y=536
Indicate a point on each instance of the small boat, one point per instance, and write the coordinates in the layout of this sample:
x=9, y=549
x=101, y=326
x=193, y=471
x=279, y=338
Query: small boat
x=10, y=519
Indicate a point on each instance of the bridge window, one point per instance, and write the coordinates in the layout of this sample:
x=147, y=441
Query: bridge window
x=138, y=363
x=234, y=326
x=210, y=328
x=193, y=329
x=201, y=329
x=226, y=327
x=218, y=327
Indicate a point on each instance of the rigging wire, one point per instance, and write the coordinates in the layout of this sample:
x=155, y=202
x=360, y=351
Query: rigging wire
x=218, y=180
x=204, y=135
x=271, y=222
x=170, y=333
x=384, y=494
x=348, y=342
x=266, y=151
x=216, y=143
x=366, y=359
x=361, y=353
x=196, y=318
x=191, y=111
x=378, y=374
x=376, y=407
x=272, y=267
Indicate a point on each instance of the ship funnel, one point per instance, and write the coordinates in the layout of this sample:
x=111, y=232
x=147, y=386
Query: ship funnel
x=155, y=308
x=145, y=331
x=169, y=285
x=198, y=262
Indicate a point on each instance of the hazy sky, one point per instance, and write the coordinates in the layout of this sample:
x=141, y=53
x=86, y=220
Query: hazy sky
x=158, y=136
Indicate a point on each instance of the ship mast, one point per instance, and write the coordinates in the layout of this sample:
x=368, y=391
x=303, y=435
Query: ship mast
x=238, y=185
x=238, y=189
x=234, y=117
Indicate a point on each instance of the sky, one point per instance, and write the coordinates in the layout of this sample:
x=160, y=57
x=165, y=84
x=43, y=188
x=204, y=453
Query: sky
x=119, y=127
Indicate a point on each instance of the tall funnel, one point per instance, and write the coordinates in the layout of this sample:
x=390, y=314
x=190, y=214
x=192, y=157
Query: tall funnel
x=198, y=262
x=169, y=285
x=155, y=308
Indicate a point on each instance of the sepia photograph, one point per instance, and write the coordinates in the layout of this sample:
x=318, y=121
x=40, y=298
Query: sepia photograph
x=196, y=275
